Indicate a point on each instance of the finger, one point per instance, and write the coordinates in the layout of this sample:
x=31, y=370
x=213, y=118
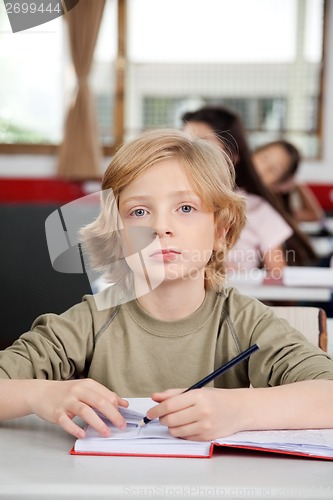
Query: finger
x=161, y=396
x=172, y=404
x=122, y=402
x=71, y=427
x=179, y=418
x=90, y=387
x=111, y=412
x=91, y=418
x=193, y=432
x=106, y=402
x=188, y=431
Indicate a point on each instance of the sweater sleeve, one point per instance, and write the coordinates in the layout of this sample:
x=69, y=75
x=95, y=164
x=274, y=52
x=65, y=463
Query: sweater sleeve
x=285, y=355
x=57, y=347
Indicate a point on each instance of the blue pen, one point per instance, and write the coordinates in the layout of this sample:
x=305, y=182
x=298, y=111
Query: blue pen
x=243, y=355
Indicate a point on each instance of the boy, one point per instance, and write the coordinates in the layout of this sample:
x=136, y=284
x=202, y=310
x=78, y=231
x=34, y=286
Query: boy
x=179, y=331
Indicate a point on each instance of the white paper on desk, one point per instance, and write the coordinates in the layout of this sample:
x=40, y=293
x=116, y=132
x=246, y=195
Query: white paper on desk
x=308, y=276
x=311, y=441
x=153, y=430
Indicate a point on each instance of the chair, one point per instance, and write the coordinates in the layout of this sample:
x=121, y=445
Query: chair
x=311, y=321
x=29, y=284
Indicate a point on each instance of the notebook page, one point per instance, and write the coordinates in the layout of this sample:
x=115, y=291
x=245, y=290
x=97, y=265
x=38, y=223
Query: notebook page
x=313, y=441
x=154, y=430
x=152, y=438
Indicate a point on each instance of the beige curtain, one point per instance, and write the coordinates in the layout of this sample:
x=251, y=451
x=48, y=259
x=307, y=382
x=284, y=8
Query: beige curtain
x=80, y=153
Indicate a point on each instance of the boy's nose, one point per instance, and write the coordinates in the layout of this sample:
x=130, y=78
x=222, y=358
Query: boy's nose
x=162, y=226
x=160, y=232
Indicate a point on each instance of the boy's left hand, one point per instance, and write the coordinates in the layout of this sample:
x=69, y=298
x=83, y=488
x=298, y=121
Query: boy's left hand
x=200, y=415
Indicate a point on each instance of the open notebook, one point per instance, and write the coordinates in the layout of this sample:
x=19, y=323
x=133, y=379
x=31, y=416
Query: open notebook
x=154, y=439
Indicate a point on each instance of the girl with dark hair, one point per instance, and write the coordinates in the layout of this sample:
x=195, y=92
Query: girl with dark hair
x=271, y=237
x=277, y=164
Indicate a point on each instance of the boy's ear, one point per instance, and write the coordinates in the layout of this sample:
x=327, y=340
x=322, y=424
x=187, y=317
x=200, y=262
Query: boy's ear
x=220, y=236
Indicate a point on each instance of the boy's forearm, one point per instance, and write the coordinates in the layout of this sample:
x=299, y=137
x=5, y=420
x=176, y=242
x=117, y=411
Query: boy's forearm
x=307, y=404
x=14, y=397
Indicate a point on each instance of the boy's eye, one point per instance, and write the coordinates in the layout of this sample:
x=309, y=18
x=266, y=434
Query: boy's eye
x=138, y=212
x=186, y=209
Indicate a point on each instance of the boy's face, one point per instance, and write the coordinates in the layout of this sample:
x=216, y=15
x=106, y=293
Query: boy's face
x=163, y=199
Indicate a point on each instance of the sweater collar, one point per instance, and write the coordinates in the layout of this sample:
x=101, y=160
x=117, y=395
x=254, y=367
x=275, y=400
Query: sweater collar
x=173, y=328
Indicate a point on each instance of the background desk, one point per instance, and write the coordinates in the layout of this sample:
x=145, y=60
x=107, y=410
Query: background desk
x=35, y=464
x=300, y=284
x=279, y=293
x=317, y=227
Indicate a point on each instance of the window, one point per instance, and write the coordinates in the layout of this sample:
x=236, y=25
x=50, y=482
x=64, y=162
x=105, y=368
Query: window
x=32, y=83
x=103, y=74
x=37, y=81
x=261, y=58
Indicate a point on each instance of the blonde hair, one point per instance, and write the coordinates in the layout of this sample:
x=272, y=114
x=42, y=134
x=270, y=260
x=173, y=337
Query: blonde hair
x=210, y=172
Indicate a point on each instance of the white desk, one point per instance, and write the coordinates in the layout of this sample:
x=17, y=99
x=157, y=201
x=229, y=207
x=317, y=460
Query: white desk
x=323, y=245
x=35, y=464
x=300, y=284
x=281, y=293
x=315, y=227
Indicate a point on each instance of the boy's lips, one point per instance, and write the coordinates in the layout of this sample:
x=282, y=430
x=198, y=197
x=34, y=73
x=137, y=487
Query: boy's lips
x=165, y=254
x=165, y=251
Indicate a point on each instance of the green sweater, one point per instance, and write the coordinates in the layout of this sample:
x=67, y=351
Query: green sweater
x=134, y=354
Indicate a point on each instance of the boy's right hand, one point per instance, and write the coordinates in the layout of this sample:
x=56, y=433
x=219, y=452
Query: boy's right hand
x=59, y=402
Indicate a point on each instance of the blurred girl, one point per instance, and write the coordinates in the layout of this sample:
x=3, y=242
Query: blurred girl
x=271, y=237
x=277, y=164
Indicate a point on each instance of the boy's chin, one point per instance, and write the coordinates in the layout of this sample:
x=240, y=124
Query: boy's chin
x=184, y=275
